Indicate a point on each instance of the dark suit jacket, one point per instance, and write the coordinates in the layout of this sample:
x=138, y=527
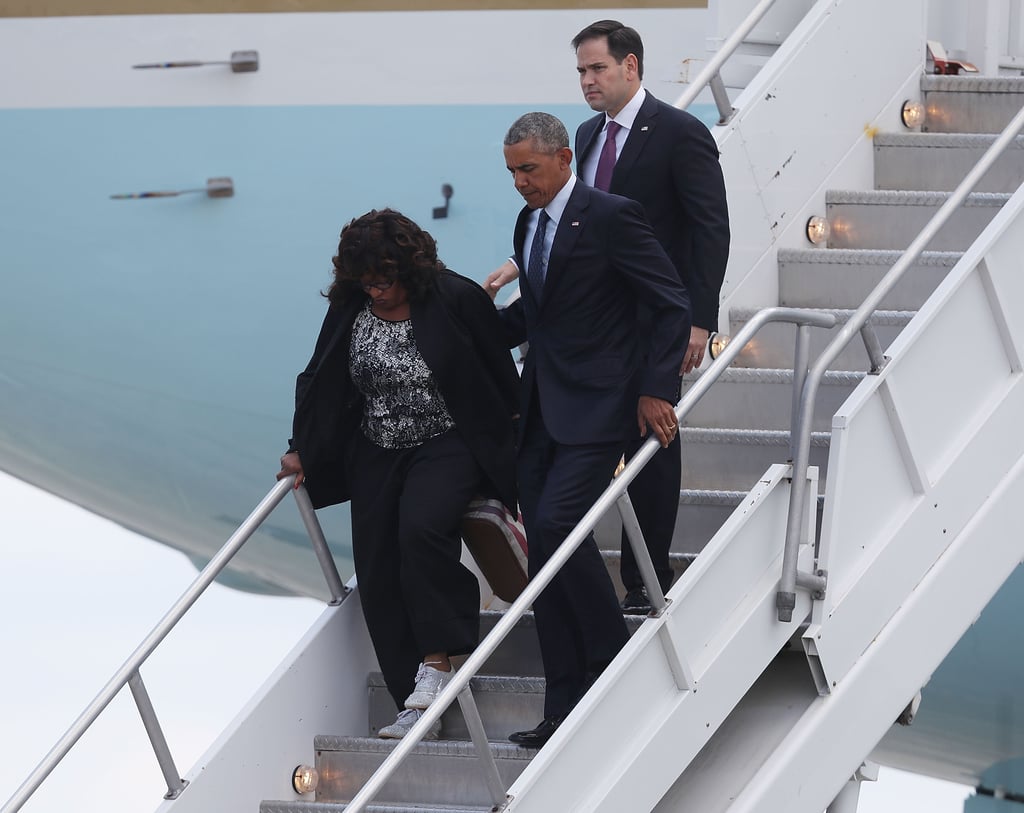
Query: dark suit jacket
x=585, y=361
x=669, y=164
x=459, y=335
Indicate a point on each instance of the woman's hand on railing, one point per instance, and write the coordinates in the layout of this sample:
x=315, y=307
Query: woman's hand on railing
x=291, y=464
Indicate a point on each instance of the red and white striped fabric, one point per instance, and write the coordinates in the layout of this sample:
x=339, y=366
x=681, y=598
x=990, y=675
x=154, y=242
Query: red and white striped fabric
x=497, y=541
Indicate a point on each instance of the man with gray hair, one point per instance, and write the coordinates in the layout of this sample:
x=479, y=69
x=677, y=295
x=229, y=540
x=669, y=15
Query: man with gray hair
x=590, y=260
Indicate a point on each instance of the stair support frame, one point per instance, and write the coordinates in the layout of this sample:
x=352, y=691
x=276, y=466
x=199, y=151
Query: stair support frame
x=847, y=799
x=682, y=672
x=999, y=318
x=323, y=552
x=873, y=348
x=937, y=603
x=175, y=784
x=785, y=600
x=801, y=357
x=475, y=724
x=721, y=96
x=631, y=525
x=815, y=583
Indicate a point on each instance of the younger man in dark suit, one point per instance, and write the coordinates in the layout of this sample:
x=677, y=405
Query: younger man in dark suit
x=591, y=260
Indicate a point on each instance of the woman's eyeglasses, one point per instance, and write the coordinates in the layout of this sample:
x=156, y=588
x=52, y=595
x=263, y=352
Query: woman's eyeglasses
x=380, y=286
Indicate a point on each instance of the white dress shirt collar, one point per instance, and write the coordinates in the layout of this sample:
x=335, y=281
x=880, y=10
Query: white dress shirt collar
x=555, y=210
x=627, y=115
x=556, y=207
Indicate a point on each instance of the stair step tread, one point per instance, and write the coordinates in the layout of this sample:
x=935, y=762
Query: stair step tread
x=488, y=618
x=773, y=375
x=677, y=560
x=879, y=317
x=700, y=496
x=493, y=616
x=709, y=496
x=941, y=140
x=865, y=256
x=747, y=437
x=339, y=807
x=436, y=748
x=522, y=684
x=973, y=84
x=903, y=197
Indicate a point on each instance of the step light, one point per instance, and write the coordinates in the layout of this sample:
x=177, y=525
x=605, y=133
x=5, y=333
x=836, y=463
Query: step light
x=717, y=343
x=818, y=230
x=305, y=779
x=912, y=114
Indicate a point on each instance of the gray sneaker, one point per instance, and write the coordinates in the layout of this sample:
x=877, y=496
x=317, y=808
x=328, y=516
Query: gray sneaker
x=406, y=720
x=429, y=683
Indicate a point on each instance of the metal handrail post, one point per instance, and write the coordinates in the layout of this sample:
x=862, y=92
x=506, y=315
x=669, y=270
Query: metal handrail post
x=873, y=347
x=681, y=671
x=642, y=556
x=145, y=649
x=721, y=97
x=801, y=358
x=475, y=725
x=175, y=784
x=797, y=316
x=323, y=552
x=785, y=600
x=722, y=54
x=536, y=584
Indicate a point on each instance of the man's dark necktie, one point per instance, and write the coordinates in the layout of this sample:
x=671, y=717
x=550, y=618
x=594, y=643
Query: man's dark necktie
x=606, y=163
x=535, y=268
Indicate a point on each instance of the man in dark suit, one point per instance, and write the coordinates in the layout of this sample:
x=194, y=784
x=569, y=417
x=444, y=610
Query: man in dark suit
x=668, y=161
x=591, y=261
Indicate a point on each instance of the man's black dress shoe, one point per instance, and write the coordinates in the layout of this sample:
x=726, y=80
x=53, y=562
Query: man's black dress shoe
x=536, y=737
x=636, y=602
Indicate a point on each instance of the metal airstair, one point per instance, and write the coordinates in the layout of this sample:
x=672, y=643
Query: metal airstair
x=756, y=713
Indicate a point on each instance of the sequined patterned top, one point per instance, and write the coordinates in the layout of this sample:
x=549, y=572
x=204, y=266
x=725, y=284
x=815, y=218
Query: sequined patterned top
x=403, y=406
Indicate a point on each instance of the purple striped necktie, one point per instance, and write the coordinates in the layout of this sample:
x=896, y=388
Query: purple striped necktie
x=606, y=163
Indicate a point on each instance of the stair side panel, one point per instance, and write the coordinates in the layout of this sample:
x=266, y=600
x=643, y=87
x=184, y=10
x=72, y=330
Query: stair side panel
x=722, y=622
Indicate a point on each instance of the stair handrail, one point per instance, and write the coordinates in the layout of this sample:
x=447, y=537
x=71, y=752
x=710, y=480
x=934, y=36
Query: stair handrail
x=858, y=322
x=128, y=674
x=710, y=75
x=608, y=499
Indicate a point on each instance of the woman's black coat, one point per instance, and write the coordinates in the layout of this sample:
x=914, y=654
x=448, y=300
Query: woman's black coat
x=459, y=335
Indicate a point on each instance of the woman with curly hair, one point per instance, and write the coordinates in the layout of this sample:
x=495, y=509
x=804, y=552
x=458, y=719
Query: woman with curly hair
x=406, y=408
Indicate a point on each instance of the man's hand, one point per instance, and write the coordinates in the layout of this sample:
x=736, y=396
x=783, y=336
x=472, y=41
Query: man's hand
x=695, y=350
x=290, y=464
x=660, y=416
x=501, y=277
